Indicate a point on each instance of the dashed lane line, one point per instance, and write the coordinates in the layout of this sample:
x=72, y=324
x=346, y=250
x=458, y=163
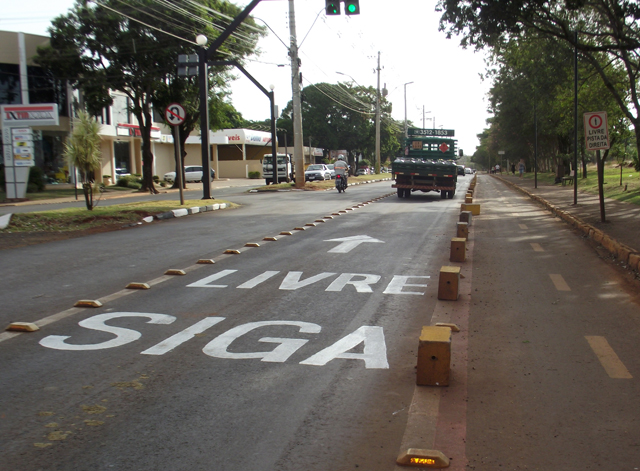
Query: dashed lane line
x=608, y=358
x=559, y=282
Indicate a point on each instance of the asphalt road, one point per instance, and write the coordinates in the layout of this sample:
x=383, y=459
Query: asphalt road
x=300, y=353
x=180, y=376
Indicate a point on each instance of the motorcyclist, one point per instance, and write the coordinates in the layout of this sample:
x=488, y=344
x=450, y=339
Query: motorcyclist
x=342, y=168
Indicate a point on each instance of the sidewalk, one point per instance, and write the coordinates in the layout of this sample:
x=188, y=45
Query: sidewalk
x=619, y=235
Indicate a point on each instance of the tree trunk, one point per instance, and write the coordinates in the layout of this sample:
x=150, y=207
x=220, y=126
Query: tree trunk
x=88, y=195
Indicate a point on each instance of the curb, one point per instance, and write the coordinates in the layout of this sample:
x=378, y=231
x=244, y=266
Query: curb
x=620, y=251
x=176, y=213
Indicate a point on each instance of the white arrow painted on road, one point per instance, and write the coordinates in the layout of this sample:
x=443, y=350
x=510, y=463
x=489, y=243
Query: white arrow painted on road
x=350, y=243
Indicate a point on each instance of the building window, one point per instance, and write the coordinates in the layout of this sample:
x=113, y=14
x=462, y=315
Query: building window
x=120, y=110
x=45, y=88
x=10, y=84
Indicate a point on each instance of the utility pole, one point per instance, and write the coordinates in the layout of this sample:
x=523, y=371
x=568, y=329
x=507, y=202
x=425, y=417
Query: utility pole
x=298, y=149
x=377, y=164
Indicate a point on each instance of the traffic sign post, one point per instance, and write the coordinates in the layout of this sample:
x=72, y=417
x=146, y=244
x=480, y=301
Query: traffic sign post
x=596, y=131
x=596, y=136
x=175, y=116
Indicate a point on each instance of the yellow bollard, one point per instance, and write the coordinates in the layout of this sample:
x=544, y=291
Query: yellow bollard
x=458, y=250
x=434, y=356
x=448, y=283
x=473, y=207
x=463, y=230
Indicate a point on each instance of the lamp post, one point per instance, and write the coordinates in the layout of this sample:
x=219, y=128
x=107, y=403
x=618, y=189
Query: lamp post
x=203, y=75
x=405, y=108
x=423, y=113
x=274, y=151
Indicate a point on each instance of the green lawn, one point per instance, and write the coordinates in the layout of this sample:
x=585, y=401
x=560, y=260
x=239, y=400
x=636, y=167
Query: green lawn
x=79, y=219
x=628, y=191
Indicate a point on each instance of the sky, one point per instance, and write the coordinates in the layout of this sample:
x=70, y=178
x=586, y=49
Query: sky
x=446, y=79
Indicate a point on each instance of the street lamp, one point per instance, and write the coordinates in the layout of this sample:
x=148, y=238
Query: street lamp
x=423, y=113
x=405, y=108
x=274, y=151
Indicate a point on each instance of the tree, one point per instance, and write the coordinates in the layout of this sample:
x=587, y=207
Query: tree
x=605, y=32
x=82, y=151
x=342, y=116
x=133, y=48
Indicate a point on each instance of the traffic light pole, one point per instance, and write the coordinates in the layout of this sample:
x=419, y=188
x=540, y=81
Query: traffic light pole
x=204, y=55
x=377, y=164
x=271, y=97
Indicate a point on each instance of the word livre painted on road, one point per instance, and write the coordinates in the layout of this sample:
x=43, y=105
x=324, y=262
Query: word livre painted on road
x=374, y=350
x=362, y=282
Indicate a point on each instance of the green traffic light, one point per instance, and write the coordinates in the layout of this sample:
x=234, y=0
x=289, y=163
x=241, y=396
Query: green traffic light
x=351, y=7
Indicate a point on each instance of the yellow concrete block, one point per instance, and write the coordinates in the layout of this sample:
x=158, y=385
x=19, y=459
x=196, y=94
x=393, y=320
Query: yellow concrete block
x=465, y=216
x=468, y=199
x=462, y=230
x=458, y=250
x=448, y=283
x=434, y=356
x=473, y=207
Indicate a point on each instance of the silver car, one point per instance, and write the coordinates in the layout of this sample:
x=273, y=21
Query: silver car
x=317, y=172
x=192, y=173
x=332, y=169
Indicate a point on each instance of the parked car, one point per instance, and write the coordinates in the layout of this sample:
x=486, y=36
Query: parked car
x=362, y=171
x=468, y=171
x=317, y=172
x=332, y=169
x=122, y=172
x=192, y=173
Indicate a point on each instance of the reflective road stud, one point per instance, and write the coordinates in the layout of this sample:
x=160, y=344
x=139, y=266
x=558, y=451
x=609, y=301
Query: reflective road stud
x=434, y=356
x=419, y=458
x=448, y=283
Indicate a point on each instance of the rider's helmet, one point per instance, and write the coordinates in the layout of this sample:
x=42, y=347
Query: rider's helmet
x=341, y=157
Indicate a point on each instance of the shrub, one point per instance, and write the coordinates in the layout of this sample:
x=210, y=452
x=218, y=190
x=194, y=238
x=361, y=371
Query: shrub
x=254, y=175
x=126, y=181
x=36, y=180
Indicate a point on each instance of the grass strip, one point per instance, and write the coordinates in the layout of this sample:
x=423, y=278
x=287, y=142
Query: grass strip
x=80, y=219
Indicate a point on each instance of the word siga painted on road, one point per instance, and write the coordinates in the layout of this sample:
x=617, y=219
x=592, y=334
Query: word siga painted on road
x=374, y=350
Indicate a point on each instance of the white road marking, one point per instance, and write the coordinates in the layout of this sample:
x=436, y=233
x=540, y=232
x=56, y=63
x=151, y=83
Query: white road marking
x=350, y=243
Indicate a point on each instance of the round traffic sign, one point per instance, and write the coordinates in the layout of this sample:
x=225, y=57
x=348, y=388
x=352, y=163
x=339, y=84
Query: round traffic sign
x=175, y=114
x=595, y=121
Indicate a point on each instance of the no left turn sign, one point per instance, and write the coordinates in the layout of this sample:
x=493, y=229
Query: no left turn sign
x=175, y=114
x=596, y=132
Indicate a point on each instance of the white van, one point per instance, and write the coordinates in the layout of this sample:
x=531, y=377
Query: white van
x=285, y=168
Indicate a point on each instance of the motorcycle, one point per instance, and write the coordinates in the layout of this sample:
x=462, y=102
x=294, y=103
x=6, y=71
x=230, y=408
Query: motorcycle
x=341, y=183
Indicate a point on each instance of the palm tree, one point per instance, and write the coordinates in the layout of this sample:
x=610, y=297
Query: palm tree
x=82, y=151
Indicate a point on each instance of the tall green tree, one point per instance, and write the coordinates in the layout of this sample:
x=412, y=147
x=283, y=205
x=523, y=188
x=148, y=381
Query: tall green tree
x=82, y=151
x=342, y=116
x=605, y=32
x=132, y=47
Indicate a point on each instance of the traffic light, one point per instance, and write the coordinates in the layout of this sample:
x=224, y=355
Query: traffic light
x=332, y=7
x=351, y=7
